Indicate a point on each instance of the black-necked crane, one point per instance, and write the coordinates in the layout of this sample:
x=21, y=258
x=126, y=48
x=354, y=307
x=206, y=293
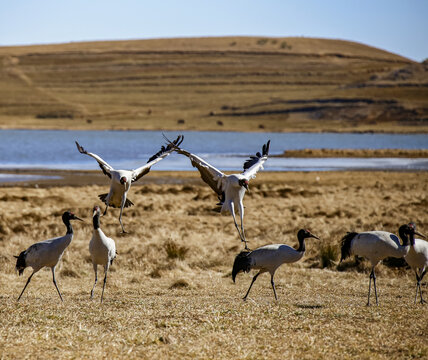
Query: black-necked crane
x=268, y=258
x=46, y=253
x=101, y=248
x=230, y=189
x=417, y=258
x=121, y=180
x=375, y=246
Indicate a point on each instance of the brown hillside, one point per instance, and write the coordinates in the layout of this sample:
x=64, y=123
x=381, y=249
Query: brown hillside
x=230, y=83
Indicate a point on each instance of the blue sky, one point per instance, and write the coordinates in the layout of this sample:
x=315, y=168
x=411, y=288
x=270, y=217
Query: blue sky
x=397, y=26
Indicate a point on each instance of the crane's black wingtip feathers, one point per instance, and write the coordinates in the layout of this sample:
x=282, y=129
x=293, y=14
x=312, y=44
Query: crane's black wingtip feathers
x=254, y=158
x=267, y=147
x=241, y=263
x=80, y=148
x=172, y=145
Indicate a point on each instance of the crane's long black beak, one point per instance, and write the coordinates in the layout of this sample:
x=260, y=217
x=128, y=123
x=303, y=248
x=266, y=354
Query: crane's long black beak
x=78, y=218
x=315, y=237
x=421, y=235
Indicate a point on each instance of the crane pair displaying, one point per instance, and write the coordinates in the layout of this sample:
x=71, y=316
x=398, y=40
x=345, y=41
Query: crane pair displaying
x=373, y=245
x=230, y=189
x=49, y=252
x=378, y=245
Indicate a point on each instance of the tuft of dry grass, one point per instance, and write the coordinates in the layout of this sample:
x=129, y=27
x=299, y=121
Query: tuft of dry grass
x=156, y=306
x=175, y=251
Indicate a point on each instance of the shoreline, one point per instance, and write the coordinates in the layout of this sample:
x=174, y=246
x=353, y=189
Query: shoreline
x=51, y=178
x=292, y=129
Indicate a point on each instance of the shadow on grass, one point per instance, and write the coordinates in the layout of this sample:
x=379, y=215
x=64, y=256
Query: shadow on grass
x=302, y=306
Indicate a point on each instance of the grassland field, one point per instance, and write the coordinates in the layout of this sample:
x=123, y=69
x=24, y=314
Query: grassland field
x=170, y=292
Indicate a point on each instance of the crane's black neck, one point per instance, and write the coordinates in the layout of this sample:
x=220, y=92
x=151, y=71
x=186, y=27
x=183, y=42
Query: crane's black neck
x=301, y=239
x=67, y=223
x=96, y=221
x=403, y=235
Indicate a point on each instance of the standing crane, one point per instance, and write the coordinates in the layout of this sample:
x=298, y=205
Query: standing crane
x=376, y=246
x=268, y=258
x=101, y=248
x=121, y=180
x=417, y=258
x=46, y=253
x=230, y=189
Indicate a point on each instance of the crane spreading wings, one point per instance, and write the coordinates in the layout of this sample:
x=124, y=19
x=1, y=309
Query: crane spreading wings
x=121, y=180
x=141, y=171
x=217, y=179
x=230, y=189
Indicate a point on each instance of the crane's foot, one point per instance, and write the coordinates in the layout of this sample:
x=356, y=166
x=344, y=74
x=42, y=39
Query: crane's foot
x=245, y=242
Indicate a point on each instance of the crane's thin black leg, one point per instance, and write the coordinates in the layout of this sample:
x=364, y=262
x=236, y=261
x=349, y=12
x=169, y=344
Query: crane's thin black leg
x=370, y=285
x=375, y=290
x=420, y=288
x=372, y=276
x=28, y=281
x=120, y=217
x=232, y=210
x=54, y=281
x=105, y=280
x=252, y=282
x=273, y=287
x=96, y=279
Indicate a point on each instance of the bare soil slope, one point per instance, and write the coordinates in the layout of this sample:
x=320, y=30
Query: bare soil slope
x=232, y=83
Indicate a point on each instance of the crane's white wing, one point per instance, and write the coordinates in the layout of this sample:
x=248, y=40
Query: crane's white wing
x=105, y=167
x=161, y=154
x=255, y=163
x=209, y=174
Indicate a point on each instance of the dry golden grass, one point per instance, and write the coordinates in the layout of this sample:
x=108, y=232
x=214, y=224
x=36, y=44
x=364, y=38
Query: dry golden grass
x=231, y=83
x=170, y=293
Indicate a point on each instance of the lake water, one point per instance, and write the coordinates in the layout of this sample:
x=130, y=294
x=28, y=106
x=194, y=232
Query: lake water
x=55, y=149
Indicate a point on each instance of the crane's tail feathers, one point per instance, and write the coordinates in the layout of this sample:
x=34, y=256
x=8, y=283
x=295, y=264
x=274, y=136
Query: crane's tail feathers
x=346, y=245
x=128, y=203
x=20, y=262
x=242, y=263
x=103, y=198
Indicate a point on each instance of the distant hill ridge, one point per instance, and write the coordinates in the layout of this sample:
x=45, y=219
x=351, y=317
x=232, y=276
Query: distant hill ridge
x=288, y=45
x=226, y=83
